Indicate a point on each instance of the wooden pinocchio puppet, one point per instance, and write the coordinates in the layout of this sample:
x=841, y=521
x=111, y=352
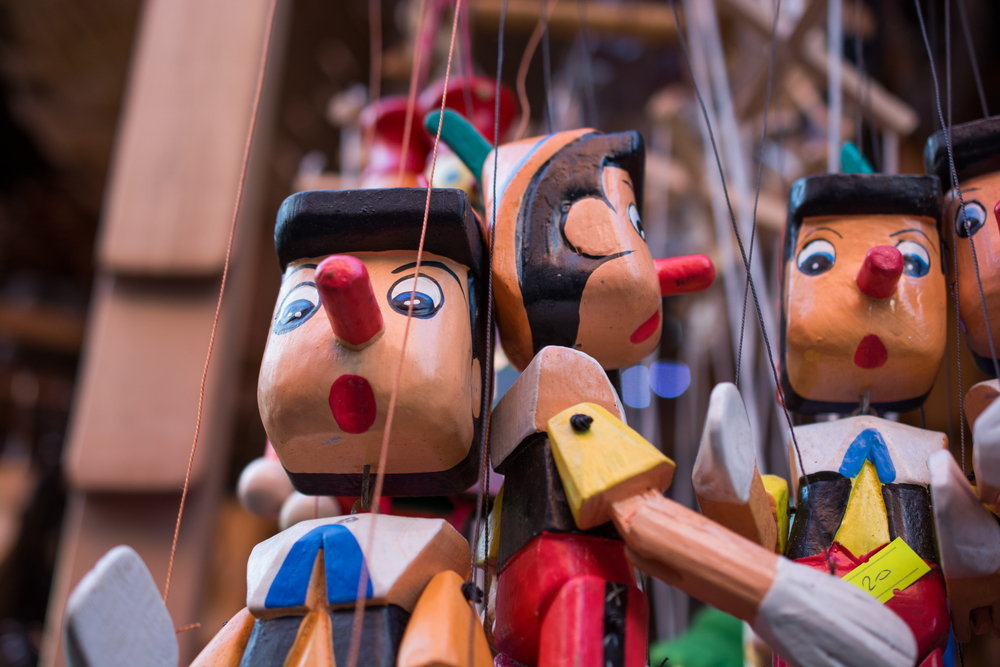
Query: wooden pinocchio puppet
x=863, y=332
x=349, y=275
x=968, y=533
x=571, y=266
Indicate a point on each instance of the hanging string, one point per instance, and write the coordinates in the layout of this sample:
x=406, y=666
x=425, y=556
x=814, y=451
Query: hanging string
x=484, y=448
x=547, y=68
x=359, y=605
x=269, y=23
x=522, y=70
x=739, y=239
x=375, y=69
x=588, y=61
x=972, y=57
x=760, y=164
x=411, y=100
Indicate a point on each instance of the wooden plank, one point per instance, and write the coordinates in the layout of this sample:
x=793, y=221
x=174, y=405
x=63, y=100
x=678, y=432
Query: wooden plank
x=651, y=21
x=180, y=144
x=888, y=111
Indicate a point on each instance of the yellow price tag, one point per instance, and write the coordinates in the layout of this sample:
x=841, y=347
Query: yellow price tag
x=890, y=570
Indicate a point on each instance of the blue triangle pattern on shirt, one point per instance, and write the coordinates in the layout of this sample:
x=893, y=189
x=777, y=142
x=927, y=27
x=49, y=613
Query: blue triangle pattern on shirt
x=869, y=446
x=342, y=560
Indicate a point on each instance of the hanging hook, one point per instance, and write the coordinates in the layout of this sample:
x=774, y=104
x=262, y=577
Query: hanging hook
x=364, y=503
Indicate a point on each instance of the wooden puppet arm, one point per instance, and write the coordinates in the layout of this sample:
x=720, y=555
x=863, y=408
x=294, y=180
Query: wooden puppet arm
x=726, y=480
x=441, y=626
x=809, y=617
x=986, y=451
x=691, y=552
x=969, y=544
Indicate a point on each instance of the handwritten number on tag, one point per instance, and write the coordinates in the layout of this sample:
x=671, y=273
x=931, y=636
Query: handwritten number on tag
x=867, y=580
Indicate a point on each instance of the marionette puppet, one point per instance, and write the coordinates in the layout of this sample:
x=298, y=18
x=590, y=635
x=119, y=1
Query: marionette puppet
x=863, y=332
x=582, y=503
x=570, y=263
x=264, y=488
x=968, y=532
x=349, y=274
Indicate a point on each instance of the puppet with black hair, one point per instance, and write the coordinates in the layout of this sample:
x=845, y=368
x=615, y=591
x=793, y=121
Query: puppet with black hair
x=571, y=266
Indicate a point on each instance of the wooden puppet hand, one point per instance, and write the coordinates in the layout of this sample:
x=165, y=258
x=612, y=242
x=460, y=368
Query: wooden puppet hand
x=728, y=485
x=115, y=617
x=808, y=617
x=265, y=490
x=986, y=455
x=969, y=543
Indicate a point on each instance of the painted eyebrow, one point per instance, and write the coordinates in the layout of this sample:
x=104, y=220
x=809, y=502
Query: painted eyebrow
x=918, y=231
x=821, y=229
x=297, y=269
x=438, y=265
x=629, y=184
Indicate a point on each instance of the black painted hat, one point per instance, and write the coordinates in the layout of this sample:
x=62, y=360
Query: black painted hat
x=326, y=222
x=864, y=194
x=976, y=147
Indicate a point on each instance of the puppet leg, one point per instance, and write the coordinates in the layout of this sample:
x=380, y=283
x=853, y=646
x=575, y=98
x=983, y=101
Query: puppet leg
x=594, y=623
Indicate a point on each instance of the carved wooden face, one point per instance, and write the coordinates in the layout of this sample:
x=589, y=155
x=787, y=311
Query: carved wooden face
x=571, y=264
x=840, y=340
x=981, y=194
x=324, y=405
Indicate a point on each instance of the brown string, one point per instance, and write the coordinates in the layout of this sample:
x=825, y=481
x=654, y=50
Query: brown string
x=359, y=604
x=222, y=288
x=411, y=101
x=193, y=626
x=522, y=70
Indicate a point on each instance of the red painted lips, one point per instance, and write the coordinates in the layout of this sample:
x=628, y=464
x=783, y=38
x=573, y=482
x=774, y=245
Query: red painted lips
x=352, y=403
x=646, y=329
x=871, y=353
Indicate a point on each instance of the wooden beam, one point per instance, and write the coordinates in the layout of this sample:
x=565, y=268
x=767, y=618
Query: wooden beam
x=41, y=326
x=888, y=111
x=650, y=21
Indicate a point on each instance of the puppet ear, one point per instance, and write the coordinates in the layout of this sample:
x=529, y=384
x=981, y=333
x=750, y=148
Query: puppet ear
x=462, y=137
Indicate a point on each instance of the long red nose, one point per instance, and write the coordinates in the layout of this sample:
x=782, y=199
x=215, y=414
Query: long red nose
x=681, y=275
x=346, y=292
x=880, y=272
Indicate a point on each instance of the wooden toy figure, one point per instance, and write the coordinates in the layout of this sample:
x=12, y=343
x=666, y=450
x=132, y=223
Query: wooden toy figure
x=863, y=332
x=968, y=533
x=571, y=266
x=976, y=150
x=583, y=502
x=349, y=274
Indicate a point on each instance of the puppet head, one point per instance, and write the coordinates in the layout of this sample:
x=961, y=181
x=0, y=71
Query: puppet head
x=348, y=259
x=863, y=292
x=976, y=147
x=571, y=266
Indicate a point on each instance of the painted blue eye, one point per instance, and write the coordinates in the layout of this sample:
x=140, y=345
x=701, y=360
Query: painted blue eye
x=297, y=307
x=633, y=216
x=975, y=218
x=817, y=257
x=916, y=261
x=427, y=300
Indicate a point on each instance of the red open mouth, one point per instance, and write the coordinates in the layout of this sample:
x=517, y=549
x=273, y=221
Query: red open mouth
x=352, y=402
x=646, y=329
x=871, y=353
